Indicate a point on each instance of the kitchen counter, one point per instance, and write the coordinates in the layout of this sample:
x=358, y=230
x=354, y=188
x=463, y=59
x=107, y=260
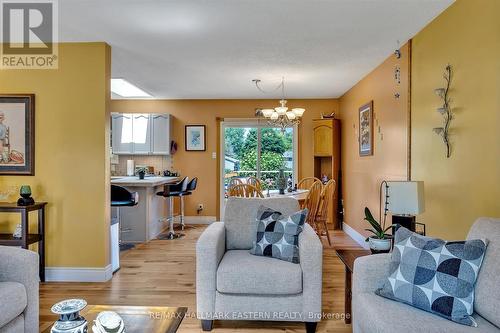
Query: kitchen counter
x=134, y=181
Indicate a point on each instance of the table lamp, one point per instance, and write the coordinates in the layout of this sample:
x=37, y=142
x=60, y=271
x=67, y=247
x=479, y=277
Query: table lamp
x=404, y=200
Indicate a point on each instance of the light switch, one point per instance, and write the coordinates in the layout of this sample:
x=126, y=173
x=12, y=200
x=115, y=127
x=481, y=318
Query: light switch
x=214, y=155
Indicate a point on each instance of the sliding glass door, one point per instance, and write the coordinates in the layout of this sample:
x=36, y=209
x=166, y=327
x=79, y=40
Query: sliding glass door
x=253, y=148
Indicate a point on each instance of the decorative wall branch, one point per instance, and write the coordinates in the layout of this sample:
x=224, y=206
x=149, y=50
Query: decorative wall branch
x=445, y=110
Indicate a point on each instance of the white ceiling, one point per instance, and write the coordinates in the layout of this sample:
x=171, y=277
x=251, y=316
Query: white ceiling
x=214, y=48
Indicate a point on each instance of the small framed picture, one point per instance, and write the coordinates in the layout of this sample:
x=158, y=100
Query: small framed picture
x=195, y=138
x=17, y=134
x=366, y=129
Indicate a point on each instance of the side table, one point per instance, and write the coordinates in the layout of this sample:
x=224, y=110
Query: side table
x=27, y=238
x=348, y=257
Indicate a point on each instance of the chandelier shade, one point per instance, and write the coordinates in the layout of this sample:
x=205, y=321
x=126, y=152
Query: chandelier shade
x=281, y=116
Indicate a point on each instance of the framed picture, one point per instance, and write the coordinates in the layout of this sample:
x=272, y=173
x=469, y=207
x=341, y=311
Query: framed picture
x=366, y=129
x=195, y=138
x=17, y=134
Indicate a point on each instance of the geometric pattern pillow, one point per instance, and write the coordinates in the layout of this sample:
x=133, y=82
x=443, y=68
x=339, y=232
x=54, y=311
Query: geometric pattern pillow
x=434, y=275
x=278, y=236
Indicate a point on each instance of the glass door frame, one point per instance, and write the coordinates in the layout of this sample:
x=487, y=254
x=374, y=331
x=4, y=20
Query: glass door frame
x=251, y=123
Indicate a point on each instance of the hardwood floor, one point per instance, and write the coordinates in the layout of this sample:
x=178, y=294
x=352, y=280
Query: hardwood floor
x=162, y=273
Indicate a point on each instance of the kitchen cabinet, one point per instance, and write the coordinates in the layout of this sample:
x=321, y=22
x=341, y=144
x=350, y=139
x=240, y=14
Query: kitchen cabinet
x=327, y=160
x=161, y=134
x=121, y=139
x=140, y=134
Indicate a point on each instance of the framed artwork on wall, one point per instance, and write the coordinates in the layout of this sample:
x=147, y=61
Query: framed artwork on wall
x=17, y=134
x=195, y=138
x=366, y=129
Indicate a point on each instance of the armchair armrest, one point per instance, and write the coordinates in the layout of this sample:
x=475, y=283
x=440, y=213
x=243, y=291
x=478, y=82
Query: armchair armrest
x=311, y=262
x=369, y=272
x=210, y=249
x=19, y=265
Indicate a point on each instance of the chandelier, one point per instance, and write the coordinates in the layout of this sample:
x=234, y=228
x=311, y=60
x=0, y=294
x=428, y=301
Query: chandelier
x=281, y=116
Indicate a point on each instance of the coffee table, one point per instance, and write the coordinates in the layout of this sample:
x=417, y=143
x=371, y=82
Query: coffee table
x=140, y=319
x=348, y=257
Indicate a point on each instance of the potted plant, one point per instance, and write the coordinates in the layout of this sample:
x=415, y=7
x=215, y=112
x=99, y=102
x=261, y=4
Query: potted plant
x=141, y=172
x=380, y=242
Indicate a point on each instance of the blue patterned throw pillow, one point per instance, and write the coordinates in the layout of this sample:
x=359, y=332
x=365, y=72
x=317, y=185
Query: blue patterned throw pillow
x=434, y=275
x=277, y=236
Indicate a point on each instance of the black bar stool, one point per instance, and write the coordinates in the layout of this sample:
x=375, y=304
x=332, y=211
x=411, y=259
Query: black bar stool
x=121, y=197
x=191, y=186
x=171, y=191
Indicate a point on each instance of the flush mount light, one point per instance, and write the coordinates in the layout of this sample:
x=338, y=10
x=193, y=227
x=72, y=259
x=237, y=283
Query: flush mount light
x=126, y=89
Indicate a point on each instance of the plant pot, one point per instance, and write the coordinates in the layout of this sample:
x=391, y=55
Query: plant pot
x=141, y=175
x=378, y=245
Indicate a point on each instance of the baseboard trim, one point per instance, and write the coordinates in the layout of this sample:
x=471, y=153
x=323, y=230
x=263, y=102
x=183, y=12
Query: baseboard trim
x=359, y=238
x=198, y=219
x=78, y=274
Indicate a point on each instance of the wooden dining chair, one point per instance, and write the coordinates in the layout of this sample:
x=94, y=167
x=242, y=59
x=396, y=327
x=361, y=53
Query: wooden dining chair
x=245, y=190
x=233, y=182
x=306, y=183
x=255, y=182
x=326, y=199
x=312, y=203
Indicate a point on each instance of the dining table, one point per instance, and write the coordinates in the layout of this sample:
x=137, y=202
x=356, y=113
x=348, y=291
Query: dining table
x=300, y=195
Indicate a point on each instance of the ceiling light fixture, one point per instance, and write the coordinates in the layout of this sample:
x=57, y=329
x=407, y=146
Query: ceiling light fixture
x=280, y=116
x=126, y=89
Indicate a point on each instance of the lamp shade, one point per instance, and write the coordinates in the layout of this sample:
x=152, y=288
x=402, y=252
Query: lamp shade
x=405, y=197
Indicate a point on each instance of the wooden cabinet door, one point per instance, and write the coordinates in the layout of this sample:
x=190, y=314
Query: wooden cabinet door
x=121, y=133
x=161, y=134
x=323, y=137
x=141, y=133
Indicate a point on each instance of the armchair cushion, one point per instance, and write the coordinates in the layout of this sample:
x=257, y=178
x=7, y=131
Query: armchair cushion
x=240, y=272
x=13, y=301
x=434, y=275
x=277, y=236
x=240, y=215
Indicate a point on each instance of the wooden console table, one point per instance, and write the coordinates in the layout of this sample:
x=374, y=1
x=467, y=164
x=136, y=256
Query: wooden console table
x=27, y=238
x=348, y=256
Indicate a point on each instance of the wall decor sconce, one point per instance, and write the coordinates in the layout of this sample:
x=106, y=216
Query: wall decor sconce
x=445, y=110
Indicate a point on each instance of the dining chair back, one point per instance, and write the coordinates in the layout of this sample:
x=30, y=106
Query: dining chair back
x=312, y=202
x=326, y=199
x=255, y=182
x=233, y=182
x=245, y=190
x=306, y=183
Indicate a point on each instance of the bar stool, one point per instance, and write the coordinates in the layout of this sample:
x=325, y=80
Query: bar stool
x=191, y=186
x=171, y=191
x=121, y=197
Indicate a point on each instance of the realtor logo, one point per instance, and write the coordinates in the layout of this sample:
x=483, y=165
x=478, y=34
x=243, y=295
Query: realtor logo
x=28, y=34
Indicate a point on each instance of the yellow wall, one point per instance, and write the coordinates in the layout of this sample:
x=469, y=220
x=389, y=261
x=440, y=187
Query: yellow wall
x=467, y=185
x=72, y=153
x=362, y=175
x=201, y=164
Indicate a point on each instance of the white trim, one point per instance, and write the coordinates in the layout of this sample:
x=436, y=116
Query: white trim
x=78, y=274
x=359, y=238
x=198, y=219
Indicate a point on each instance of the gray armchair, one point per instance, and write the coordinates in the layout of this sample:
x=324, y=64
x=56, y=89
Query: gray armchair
x=232, y=284
x=19, y=283
x=375, y=314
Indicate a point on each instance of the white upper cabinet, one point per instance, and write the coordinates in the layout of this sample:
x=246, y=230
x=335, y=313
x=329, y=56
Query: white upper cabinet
x=121, y=139
x=161, y=134
x=140, y=134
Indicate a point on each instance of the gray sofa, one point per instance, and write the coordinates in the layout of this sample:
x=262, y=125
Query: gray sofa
x=375, y=314
x=19, y=284
x=232, y=284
